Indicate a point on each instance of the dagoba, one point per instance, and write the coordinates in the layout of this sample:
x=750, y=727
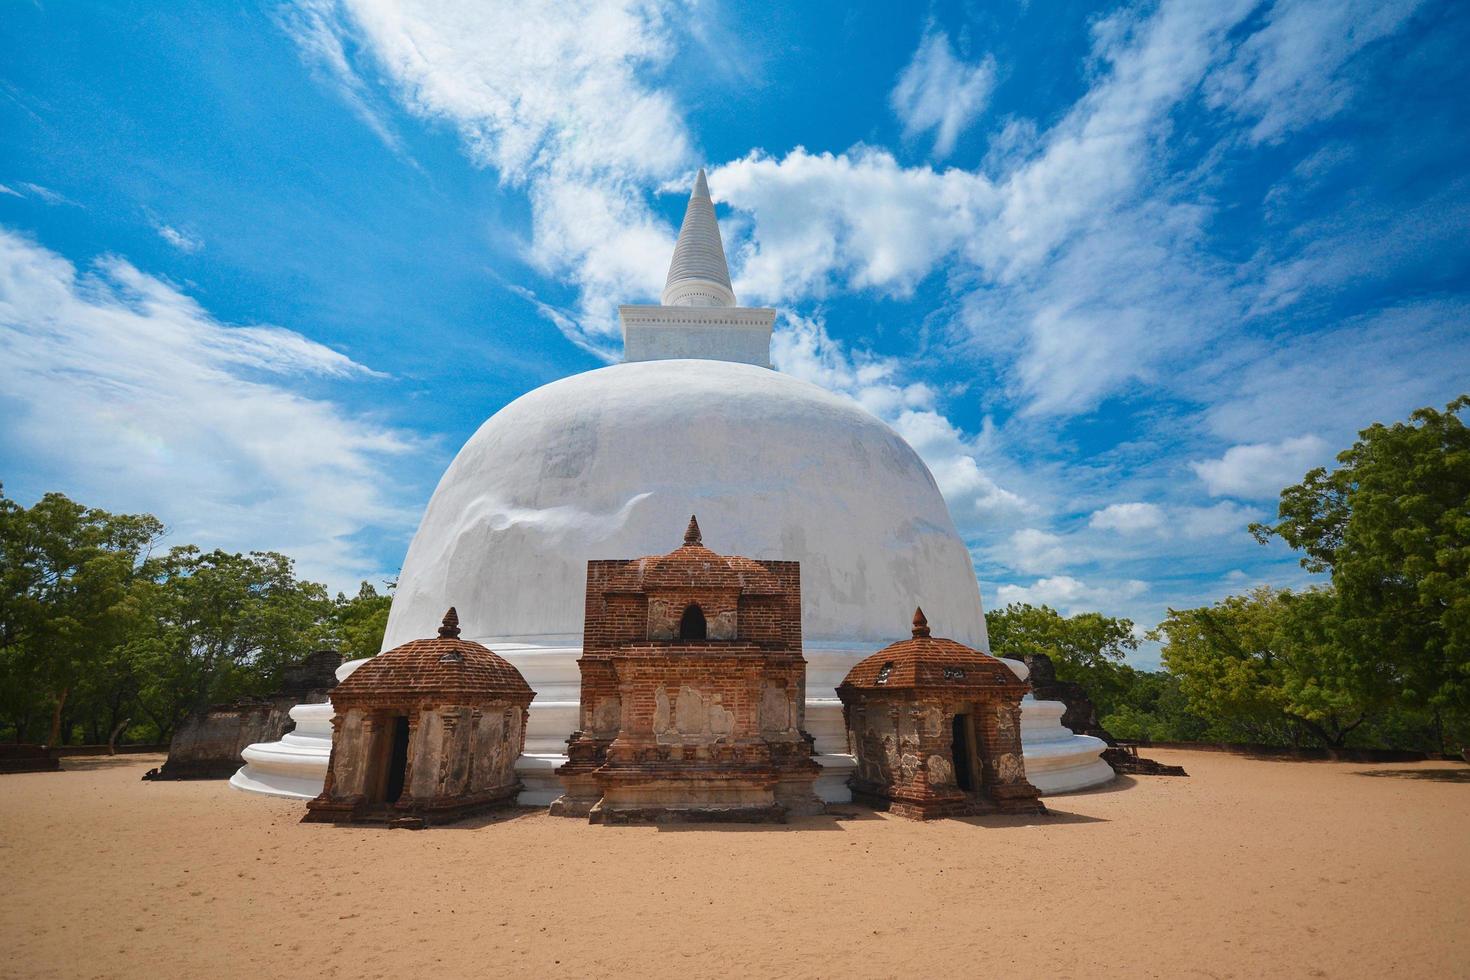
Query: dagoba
x=694, y=420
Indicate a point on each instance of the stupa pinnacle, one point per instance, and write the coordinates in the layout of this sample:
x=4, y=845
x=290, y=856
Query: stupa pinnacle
x=698, y=275
x=697, y=316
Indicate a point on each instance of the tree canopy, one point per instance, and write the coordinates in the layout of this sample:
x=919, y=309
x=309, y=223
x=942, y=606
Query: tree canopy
x=97, y=631
x=1391, y=526
x=1269, y=663
x=1088, y=648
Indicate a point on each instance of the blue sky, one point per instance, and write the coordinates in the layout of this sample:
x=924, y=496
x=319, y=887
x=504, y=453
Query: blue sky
x=1119, y=272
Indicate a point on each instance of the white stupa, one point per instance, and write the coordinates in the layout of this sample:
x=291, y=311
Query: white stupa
x=611, y=463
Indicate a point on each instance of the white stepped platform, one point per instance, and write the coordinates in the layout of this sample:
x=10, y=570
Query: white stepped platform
x=296, y=766
x=1057, y=761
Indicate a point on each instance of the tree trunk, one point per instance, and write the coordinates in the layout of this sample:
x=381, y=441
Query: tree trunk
x=112, y=739
x=56, y=718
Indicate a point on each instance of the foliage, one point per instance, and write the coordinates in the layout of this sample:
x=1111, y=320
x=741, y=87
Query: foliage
x=1088, y=648
x=1391, y=524
x=223, y=626
x=1153, y=708
x=1270, y=661
x=70, y=583
x=358, y=623
x=98, y=634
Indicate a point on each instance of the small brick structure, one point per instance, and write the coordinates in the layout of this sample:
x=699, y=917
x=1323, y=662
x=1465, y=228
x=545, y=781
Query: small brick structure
x=693, y=692
x=427, y=732
x=936, y=729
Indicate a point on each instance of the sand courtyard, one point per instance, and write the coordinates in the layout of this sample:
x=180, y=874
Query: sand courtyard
x=1247, y=868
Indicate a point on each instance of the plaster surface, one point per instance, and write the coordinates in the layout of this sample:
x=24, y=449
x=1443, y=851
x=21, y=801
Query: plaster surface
x=295, y=765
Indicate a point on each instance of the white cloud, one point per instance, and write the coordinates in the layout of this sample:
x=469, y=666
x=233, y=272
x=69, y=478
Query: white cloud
x=858, y=220
x=45, y=194
x=1376, y=367
x=1129, y=518
x=312, y=24
x=1086, y=277
x=937, y=91
x=1261, y=469
x=551, y=97
x=803, y=349
x=1069, y=596
x=1219, y=520
x=1037, y=551
x=1290, y=73
x=1173, y=521
x=1084, y=262
x=123, y=391
x=181, y=240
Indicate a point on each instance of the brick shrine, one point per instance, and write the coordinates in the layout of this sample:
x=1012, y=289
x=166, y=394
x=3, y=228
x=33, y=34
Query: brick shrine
x=693, y=692
x=427, y=732
x=936, y=730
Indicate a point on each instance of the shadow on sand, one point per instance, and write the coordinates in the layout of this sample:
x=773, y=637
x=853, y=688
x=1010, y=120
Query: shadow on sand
x=96, y=763
x=1118, y=784
x=1429, y=775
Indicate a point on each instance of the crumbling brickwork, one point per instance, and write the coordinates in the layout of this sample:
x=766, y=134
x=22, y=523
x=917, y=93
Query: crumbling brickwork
x=425, y=733
x=693, y=691
x=936, y=730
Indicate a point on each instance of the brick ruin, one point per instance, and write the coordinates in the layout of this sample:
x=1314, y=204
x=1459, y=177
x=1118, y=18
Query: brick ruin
x=936, y=730
x=208, y=744
x=427, y=732
x=693, y=692
x=1081, y=717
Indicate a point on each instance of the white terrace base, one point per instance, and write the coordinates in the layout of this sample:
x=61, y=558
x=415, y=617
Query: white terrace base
x=1057, y=759
x=296, y=766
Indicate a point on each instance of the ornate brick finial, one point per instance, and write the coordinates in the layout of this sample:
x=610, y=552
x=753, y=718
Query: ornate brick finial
x=921, y=625
x=691, y=533
x=449, y=629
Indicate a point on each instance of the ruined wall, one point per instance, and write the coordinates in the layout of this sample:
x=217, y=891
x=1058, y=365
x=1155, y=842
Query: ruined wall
x=208, y=744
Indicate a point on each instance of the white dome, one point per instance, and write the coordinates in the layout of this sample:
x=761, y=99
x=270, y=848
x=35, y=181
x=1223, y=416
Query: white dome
x=611, y=463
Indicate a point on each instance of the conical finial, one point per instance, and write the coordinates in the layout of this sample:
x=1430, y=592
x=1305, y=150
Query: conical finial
x=691, y=533
x=698, y=274
x=921, y=625
x=449, y=629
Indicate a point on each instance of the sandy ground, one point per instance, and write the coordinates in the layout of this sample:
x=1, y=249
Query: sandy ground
x=1246, y=869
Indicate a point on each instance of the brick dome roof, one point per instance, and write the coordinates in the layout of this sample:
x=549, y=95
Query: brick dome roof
x=444, y=666
x=694, y=566
x=929, y=661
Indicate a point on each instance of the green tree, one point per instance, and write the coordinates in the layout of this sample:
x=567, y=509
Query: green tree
x=1153, y=708
x=70, y=580
x=1269, y=664
x=359, y=622
x=1088, y=648
x=1391, y=524
x=224, y=625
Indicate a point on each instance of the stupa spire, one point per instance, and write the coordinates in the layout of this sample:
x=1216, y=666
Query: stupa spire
x=691, y=533
x=698, y=274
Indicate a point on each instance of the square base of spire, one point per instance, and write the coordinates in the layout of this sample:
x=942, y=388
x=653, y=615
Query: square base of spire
x=712, y=333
